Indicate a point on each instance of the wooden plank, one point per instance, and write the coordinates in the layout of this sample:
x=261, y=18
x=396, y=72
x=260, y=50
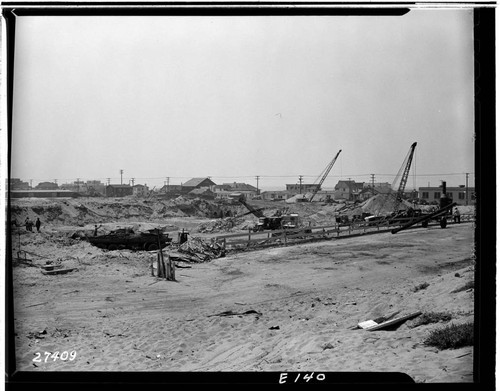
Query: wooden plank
x=50, y=267
x=392, y=322
x=58, y=271
x=367, y=323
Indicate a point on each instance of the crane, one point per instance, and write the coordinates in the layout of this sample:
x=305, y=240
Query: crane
x=324, y=175
x=405, y=168
x=241, y=199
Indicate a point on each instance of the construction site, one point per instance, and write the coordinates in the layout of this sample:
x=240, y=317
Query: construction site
x=158, y=284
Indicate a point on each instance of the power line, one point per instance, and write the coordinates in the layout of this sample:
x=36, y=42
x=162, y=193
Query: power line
x=369, y=177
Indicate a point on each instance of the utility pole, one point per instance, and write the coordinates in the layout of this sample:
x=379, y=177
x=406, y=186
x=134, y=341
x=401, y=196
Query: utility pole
x=121, y=177
x=300, y=184
x=466, y=188
x=257, y=177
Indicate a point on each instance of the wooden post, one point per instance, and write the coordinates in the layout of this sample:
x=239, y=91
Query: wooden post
x=163, y=268
x=159, y=270
x=170, y=269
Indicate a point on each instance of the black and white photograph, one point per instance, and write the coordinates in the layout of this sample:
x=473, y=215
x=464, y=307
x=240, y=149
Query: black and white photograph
x=277, y=190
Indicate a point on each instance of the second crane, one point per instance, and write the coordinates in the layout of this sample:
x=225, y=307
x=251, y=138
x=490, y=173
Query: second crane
x=323, y=176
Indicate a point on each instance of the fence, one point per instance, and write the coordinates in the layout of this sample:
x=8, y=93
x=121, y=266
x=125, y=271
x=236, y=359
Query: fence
x=285, y=237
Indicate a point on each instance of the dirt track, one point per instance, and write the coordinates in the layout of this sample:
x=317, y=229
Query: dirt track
x=301, y=301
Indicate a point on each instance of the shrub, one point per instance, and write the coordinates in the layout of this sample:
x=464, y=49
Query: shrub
x=452, y=336
x=431, y=317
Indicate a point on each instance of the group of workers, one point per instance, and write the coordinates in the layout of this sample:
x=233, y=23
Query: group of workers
x=29, y=224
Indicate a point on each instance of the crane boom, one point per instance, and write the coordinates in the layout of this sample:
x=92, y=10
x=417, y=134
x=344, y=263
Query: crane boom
x=241, y=199
x=325, y=174
x=404, y=177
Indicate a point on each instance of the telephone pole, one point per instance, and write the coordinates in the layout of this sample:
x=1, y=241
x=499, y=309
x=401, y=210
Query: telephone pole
x=257, y=177
x=300, y=184
x=466, y=188
x=121, y=177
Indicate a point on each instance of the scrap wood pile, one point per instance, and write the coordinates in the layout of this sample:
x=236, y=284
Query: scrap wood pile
x=198, y=250
x=219, y=225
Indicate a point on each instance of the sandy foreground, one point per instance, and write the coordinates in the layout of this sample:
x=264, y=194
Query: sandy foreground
x=293, y=308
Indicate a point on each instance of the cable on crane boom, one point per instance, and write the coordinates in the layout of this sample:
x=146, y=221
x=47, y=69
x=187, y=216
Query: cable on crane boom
x=324, y=175
x=403, y=173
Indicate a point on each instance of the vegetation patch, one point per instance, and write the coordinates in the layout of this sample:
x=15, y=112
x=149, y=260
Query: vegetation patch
x=452, y=336
x=417, y=288
x=431, y=317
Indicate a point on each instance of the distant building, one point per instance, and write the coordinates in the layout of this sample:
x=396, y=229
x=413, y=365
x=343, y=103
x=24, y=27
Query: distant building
x=301, y=188
x=171, y=189
x=46, y=186
x=324, y=196
x=348, y=190
x=95, y=186
x=196, y=183
x=461, y=195
x=377, y=185
x=226, y=189
x=118, y=190
x=276, y=195
x=140, y=190
x=203, y=192
x=77, y=186
x=42, y=193
x=369, y=190
x=18, y=184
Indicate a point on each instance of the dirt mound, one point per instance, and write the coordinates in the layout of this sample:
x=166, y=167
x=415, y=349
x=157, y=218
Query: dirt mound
x=83, y=211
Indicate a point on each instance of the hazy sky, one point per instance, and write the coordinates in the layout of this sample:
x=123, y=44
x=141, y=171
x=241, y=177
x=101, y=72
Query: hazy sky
x=236, y=97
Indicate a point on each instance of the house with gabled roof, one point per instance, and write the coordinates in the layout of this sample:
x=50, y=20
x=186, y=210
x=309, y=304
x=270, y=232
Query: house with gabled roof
x=119, y=190
x=348, y=190
x=197, y=183
x=140, y=190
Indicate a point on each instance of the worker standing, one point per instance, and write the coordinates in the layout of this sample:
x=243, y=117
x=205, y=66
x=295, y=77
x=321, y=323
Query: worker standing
x=38, y=223
x=456, y=216
x=28, y=224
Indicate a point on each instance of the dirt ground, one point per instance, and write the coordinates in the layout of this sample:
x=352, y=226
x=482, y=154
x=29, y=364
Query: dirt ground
x=277, y=309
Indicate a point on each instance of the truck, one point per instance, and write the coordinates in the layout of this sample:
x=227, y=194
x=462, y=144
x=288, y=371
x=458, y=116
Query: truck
x=277, y=221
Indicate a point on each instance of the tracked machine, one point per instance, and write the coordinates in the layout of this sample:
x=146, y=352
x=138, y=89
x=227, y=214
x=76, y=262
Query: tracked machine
x=275, y=222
